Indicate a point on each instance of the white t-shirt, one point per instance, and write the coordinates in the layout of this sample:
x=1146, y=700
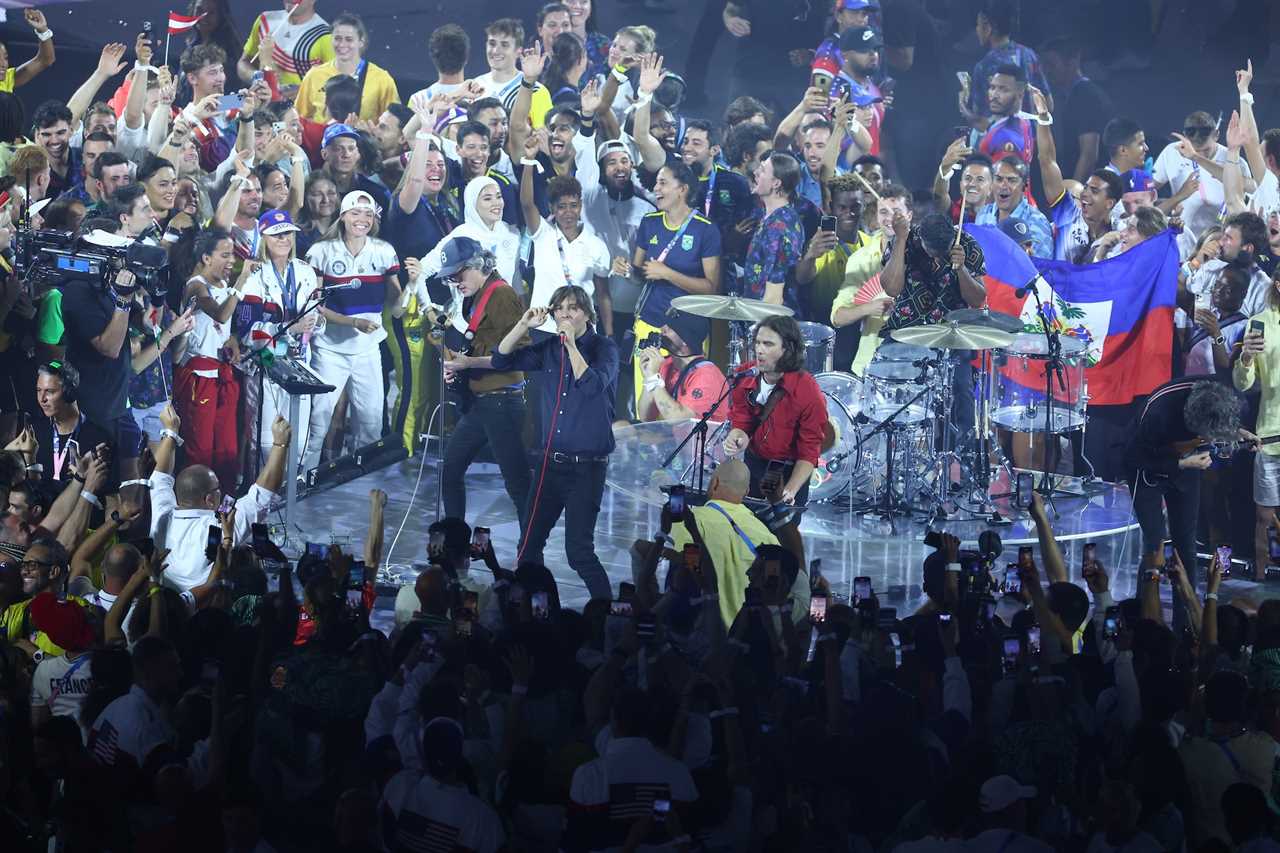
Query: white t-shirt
x=616, y=222
x=370, y=267
x=430, y=815
x=207, y=335
x=585, y=257
x=494, y=89
x=1200, y=358
x=132, y=727
x=438, y=88
x=62, y=685
x=1266, y=198
x=1202, y=209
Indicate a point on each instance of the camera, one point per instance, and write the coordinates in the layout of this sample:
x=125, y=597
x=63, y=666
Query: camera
x=45, y=259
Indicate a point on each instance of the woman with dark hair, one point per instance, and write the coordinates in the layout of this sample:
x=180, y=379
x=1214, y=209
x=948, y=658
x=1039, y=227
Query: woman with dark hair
x=677, y=252
x=582, y=15
x=778, y=415
x=565, y=68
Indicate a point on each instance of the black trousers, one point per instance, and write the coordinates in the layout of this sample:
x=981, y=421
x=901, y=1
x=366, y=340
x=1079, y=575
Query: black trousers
x=1179, y=497
x=496, y=420
x=572, y=489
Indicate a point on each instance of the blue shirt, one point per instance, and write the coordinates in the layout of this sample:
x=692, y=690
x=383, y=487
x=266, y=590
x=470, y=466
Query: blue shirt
x=413, y=235
x=583, y=411
x=701, y=239
x=730, y=202
x=1037, y=224
x=1071, y=240
x=1009, y=53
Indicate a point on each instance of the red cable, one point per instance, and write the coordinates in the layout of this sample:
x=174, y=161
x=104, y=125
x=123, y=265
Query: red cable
x=546, y=454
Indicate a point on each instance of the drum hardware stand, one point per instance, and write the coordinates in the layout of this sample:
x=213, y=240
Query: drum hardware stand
x=885, y=506
x=981, y=495
x=699, y=432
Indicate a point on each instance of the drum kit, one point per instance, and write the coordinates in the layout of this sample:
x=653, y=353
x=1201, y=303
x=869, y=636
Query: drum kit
x=897, y=451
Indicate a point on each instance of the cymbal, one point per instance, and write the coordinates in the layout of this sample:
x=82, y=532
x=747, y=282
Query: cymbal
x=948, y=335
x=986, y=318
x=729, y=307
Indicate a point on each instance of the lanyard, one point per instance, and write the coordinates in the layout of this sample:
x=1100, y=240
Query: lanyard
x=289, y=290
x=736, y=529
x=60, y=450
x=477, y=310
x=662, y=256
x=711, y=191
x=564, y=260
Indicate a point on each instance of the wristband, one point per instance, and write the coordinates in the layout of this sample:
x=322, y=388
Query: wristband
x=168, y=433
x=79, y=478
x=653, y=383
x=643, y=98
x=299, y=160
x=954, y=567
x=91, y=498
x=527, y=161
x=138, y=65
x=519, y=690
x=1247, y=98
x=619, y=73
x=946, y=176
x=527, y=85
x=146, y=484
x=45, y=36
x=238, y=179
x=1210, y=596
x=424, y=136
x=278, y=444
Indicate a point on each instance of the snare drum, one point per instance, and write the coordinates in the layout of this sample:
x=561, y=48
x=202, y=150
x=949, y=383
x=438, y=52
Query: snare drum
x=895, y=376
x=1018, y=385
x=830, y=478
x=819, y=347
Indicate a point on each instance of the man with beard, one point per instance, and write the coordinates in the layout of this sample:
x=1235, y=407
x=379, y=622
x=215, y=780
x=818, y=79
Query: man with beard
x=613, y=209
x=1010, y=201
x=471, y=161
x=388, y=132
x=860, y=48
x=491, y=113
x=1245, y=241
x=1079, y=223
x=340, y=151
x=722, y=195
x=51, y=125
x=1005, y=132
x=976, y=172
x=684, y=384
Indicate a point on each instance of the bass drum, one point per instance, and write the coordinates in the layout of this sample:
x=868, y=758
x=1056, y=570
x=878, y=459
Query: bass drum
x=835, y=465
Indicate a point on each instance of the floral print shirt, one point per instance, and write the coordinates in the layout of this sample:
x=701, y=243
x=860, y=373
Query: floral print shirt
x=931, y=288
x=775, y=249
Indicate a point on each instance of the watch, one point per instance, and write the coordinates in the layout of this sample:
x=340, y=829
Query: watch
x=1220, y=340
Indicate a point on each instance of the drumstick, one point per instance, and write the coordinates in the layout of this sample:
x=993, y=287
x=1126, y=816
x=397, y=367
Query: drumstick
x=960, y=227
x=867, y=186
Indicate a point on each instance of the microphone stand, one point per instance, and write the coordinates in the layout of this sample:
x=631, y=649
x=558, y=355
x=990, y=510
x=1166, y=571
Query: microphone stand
x=1053, y=368
x=700, y=430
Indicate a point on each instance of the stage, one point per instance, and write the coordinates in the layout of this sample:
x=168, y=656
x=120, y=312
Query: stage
x=891, y=554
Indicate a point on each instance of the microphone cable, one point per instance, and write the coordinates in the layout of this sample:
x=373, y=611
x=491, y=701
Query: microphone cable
x=546, y=456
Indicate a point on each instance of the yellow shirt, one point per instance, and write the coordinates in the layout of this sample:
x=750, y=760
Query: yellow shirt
x=16, y=624
x=539, y=105
x=1265, y=369
x=830, y=269
x=863, y=264
x=730, y=554
x=6, y=83
x=379, y=92
x=299, y=47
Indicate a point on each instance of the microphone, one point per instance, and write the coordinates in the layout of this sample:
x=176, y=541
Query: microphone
x=744, y=372
x=1031, y=285
x=346, y=285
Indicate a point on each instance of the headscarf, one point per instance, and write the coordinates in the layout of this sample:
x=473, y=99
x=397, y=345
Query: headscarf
x=502, y=239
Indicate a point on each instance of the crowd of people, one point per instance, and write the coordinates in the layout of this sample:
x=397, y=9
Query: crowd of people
x=170, y=678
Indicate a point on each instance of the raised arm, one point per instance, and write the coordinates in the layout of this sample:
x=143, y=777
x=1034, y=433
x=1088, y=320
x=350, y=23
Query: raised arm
x=44, y=53
x=652, y=155
x=532, y=216
x=110, y=63
x=137, y=100
x=373, y=542
x=225, y=216
x=1055, y=567
x=894, y=276
x=273, y=473
x=113, y=626
x=1249, y=125
x=813, y=101
x=532, y=61
x=1047, y=151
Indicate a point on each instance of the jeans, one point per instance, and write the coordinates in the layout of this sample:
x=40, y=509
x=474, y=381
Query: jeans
x=496, y=420
x=1180, y=497
x=574, y=489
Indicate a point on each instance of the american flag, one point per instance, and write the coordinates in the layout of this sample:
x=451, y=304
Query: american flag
x=634, y=800
x=417, y=833
x=104, y=743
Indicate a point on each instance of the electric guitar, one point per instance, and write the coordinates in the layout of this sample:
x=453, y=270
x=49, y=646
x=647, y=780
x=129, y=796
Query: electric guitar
x=1221, y=451
x=435, y=327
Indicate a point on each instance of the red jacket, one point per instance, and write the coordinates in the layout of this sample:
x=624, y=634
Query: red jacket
x=794, y=429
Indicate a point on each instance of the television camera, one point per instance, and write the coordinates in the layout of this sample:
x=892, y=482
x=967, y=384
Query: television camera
x=45, y=259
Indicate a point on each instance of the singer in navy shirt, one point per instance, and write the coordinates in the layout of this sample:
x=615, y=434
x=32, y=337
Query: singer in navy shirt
x=577, y=422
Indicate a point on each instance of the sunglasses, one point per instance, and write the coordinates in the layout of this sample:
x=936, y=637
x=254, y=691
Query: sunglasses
x=1197, y=132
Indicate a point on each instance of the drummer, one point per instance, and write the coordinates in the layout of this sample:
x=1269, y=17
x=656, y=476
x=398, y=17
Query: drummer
x=684, y=384
x=929, y=270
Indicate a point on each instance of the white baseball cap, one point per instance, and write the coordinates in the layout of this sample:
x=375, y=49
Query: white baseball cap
x=358, y=199
x=1000, y=792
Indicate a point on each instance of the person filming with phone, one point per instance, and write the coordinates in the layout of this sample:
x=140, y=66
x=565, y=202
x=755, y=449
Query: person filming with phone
x=185, y=509
x=1259, y=364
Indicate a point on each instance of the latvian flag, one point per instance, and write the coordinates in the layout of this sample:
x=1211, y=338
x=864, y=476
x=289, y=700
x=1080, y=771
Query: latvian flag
x=179, y=24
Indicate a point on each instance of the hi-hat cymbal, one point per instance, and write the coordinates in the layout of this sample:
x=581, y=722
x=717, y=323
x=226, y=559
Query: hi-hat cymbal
x=986, y=318
x=949, y=335
x=729, y=307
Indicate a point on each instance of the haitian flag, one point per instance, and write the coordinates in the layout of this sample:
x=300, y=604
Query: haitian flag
x=1120, y=310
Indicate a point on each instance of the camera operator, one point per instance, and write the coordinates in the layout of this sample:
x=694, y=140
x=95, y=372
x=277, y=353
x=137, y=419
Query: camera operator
x=96, y=314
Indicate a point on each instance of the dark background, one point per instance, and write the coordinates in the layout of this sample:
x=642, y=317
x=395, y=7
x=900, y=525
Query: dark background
x=1194, y=50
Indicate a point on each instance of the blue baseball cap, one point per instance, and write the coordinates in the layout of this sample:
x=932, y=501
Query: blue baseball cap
x=337, y=131
x=276, y=222
x=1138, y=180
x=458, y=254
x=1017, y=231
x=863, y=98
x=856, y=5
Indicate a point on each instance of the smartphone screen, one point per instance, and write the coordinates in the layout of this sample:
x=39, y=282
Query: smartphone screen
x=1224, y=557
x=818, y=609
x=1026, y=559
x=1168, y=551
x=355, y=598
x=675, y=501
x=1257, y=327
x=1012, y=580
x=227, y=503
x=1011, y=650
x=620, y=608
x=692, y=557
x=1111, y=623
x=316, y=549
x=827, y=223
x=1090, y=554
x=538, y=601
x=861, y=589
x=660, y=810
x=479, y=542
x=1033, y=640
x=1025, y=486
